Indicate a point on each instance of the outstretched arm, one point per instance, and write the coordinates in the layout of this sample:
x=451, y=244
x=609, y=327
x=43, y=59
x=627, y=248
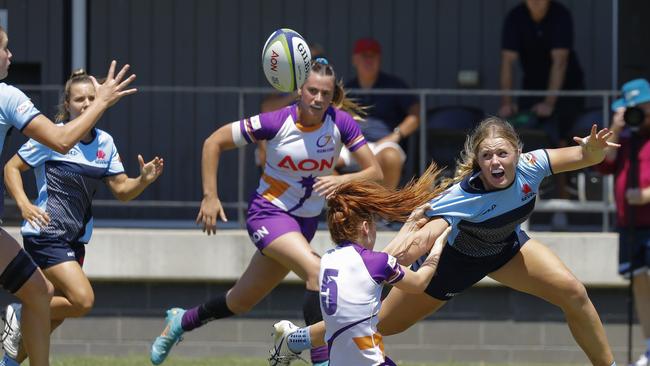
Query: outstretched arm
x=14, y=182
x=408, y=247
x=126, y=189
x=211, y=208
x=416, y=282
x=590, y=151
x=62, y=138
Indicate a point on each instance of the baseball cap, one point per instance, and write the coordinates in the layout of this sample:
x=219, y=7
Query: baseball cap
x=634, y=92
x=366, y=45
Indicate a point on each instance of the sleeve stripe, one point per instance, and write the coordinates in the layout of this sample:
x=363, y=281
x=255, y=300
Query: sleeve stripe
x=249, y=130
x=399, y=274
x=356, y=143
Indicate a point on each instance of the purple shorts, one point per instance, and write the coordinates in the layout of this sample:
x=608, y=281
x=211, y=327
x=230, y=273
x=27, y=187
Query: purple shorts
x=266, y=222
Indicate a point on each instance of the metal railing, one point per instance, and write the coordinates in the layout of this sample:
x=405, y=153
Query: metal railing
x=605, y=206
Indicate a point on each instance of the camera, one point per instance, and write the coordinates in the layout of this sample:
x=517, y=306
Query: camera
x=634, y=116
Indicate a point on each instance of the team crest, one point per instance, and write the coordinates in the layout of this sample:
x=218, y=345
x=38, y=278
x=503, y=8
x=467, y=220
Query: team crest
x=24, y=107
x=530, y=159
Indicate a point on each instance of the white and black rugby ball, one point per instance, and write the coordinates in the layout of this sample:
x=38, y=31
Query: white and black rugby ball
x=286, y=60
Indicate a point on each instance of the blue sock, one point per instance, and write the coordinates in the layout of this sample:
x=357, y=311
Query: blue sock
x=324, y=363
x=299, y=340
x=8, y=361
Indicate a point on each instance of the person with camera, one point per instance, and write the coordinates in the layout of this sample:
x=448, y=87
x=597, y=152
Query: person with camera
x=631, y=120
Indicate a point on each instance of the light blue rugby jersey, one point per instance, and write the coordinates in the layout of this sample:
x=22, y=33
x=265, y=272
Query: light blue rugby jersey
x=484, y=222
x=16, y=110
x=67, y=183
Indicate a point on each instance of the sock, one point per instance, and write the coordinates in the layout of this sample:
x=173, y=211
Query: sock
x=613, y=363
x=299, y=340
x=8, y=361
x=215, y=308
x=324, y=363
x=312, y=314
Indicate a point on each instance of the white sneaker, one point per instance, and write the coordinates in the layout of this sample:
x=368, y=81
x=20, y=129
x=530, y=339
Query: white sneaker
x=11, y=333
x=281, y=355
x=642, y=361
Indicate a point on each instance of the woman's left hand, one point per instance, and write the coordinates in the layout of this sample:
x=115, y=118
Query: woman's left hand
x=151, y=170
x=597, y=140
x=326, y=185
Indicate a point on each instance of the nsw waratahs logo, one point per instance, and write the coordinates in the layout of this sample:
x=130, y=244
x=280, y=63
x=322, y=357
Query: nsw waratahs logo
x=527, y=191
x=101, y=155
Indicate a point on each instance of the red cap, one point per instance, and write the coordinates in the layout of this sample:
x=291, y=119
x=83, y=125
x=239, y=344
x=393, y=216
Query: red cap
x=366, y=45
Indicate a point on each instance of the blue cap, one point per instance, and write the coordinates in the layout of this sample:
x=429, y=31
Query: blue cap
x=634, y=92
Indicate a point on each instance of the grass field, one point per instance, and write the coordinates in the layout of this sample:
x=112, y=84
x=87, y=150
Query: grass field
x=140, y=361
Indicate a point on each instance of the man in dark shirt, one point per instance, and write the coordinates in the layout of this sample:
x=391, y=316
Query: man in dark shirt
x=540, y=34
x=390, y=119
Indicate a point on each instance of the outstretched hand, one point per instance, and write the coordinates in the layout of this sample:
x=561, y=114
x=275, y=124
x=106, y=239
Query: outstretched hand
x=210, y=209
x=150, y=171
x=114, y=87
x=597, y=140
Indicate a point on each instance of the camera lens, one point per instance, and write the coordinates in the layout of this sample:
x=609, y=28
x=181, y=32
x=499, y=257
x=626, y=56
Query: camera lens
x=634, y=116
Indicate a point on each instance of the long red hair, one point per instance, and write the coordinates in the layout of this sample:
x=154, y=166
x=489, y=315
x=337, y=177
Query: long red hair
x=355, y=202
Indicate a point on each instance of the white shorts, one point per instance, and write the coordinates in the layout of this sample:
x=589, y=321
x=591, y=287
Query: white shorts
x=350, y=164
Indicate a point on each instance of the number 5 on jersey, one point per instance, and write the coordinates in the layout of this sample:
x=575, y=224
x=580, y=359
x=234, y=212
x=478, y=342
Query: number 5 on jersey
x=328, y=291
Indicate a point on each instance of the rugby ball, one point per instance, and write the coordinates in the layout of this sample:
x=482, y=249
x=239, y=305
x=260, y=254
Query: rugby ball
x=286, y=60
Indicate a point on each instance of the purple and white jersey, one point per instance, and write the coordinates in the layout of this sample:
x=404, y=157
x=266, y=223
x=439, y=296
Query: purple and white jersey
x=351, y=279
x=296, y=154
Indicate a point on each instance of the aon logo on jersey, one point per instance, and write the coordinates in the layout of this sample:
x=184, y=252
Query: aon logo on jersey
x=306, y=164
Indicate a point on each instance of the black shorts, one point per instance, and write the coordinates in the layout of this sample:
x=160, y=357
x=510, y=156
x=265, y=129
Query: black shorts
x=48, y=252
x=457, y=271
x=639, y=250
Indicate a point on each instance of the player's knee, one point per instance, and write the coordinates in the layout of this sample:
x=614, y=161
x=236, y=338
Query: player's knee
x=83, y=303
x=573, y=294
x=390, y=158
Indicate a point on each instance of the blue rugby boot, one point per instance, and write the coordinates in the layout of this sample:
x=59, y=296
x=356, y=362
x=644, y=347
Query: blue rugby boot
x=171, y=335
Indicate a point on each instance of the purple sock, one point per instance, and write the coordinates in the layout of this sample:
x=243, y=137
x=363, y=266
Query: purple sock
x=319, y=354
x=191, y=319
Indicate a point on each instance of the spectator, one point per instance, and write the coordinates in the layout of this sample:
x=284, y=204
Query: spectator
x=636, y=93
x=390, y=118
x=540, y=34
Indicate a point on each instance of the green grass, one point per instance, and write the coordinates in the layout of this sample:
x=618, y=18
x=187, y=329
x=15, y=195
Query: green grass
x=222, y=361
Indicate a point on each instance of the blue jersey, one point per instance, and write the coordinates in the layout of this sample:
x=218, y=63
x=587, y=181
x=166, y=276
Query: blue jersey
x=67, y=183
x=16, y=110
x=485, y=222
